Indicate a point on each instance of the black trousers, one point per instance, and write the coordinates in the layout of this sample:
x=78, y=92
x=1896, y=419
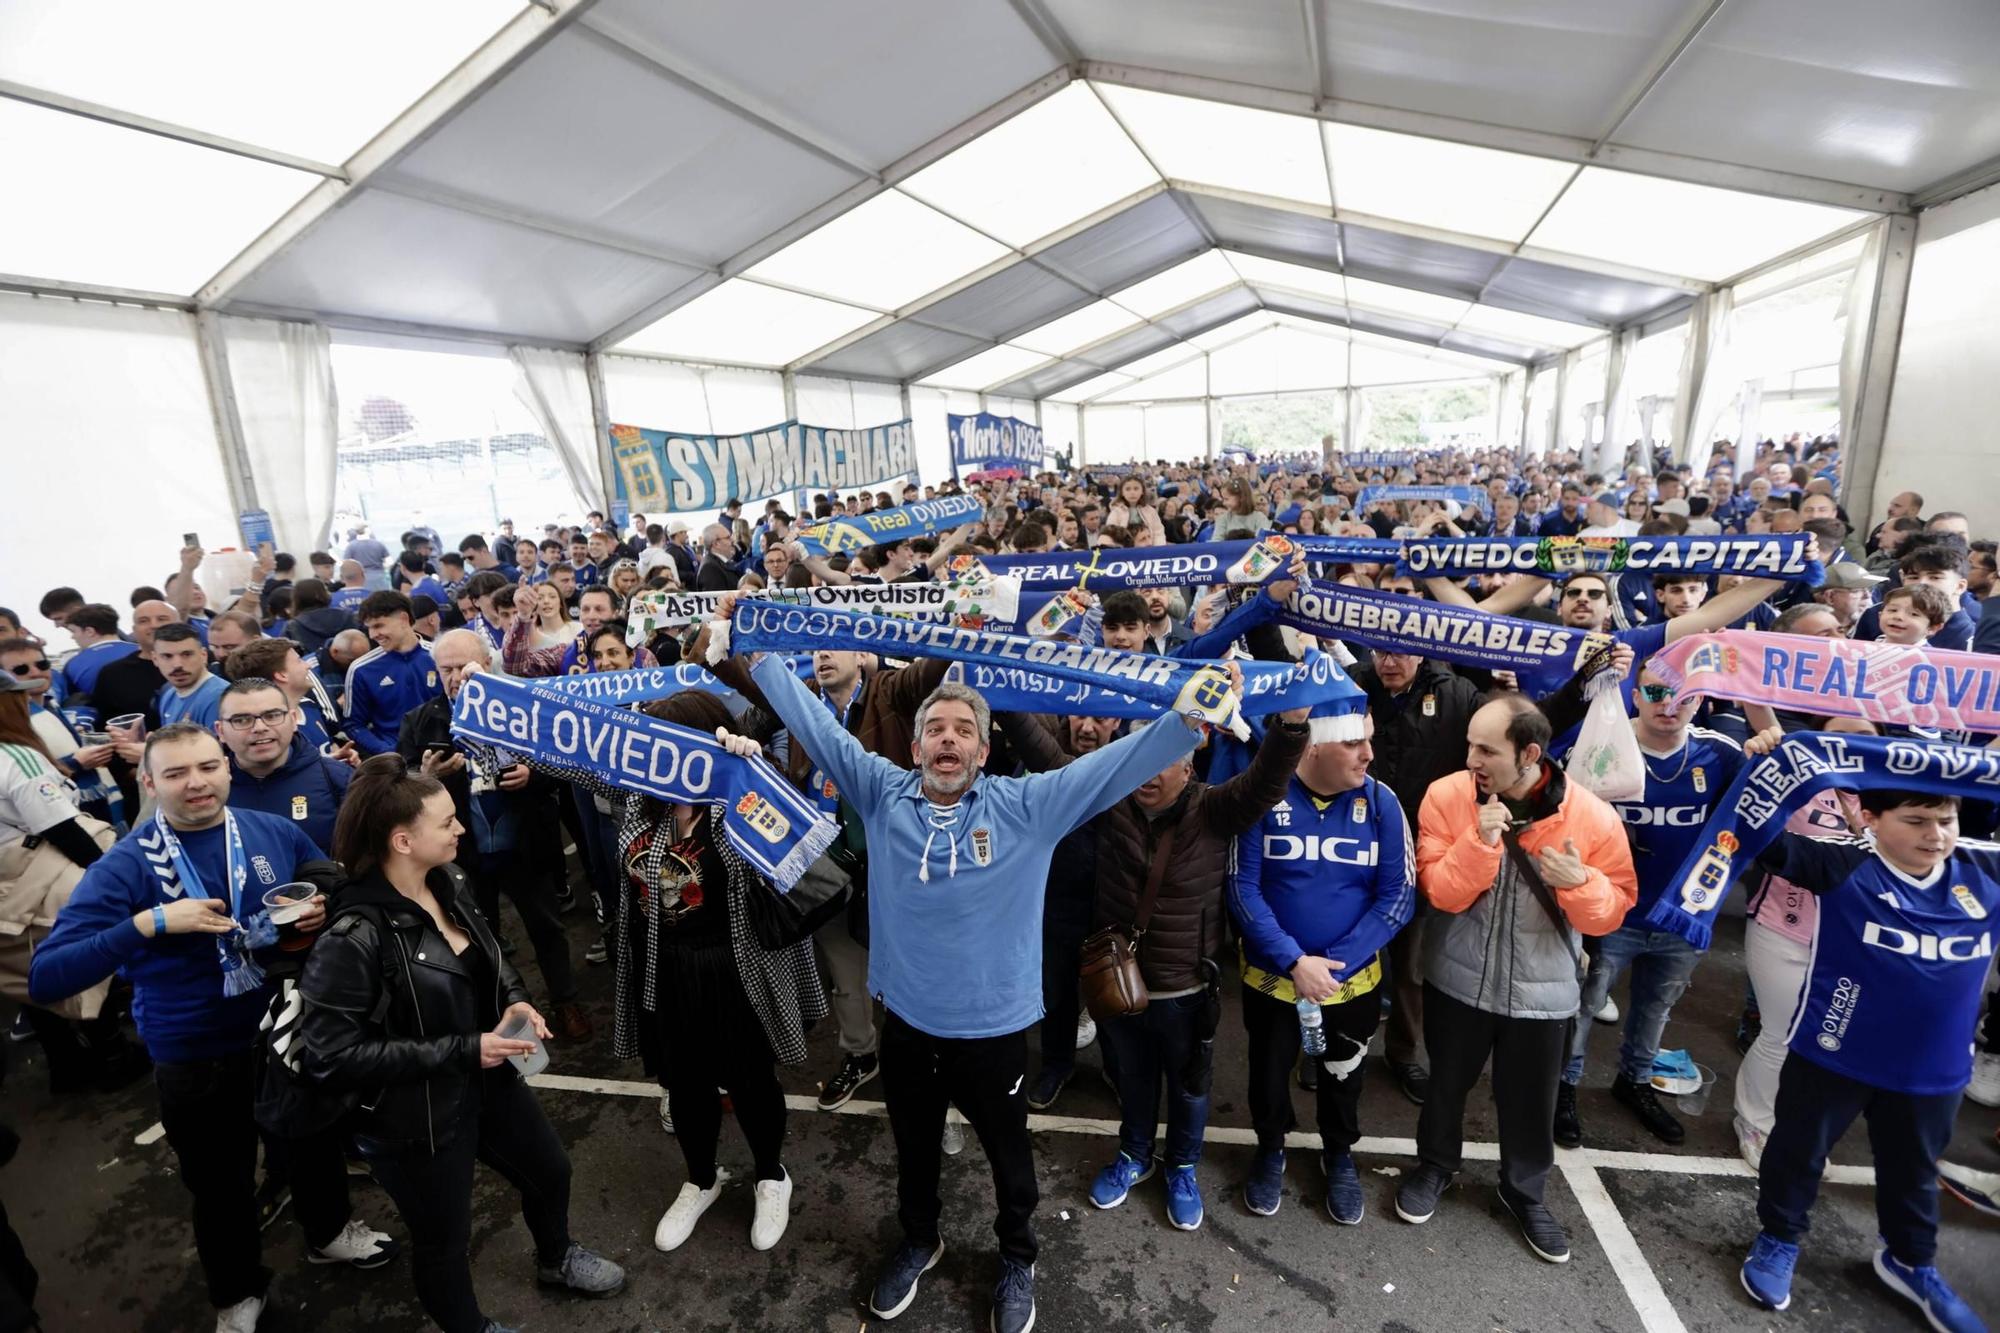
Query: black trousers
x=983, y=1077
x=1065, y=926
x=1273, y=1028
x=530, y=888
x=709, y=1039
x=433, y=1192
x=1403, y=1035
x=1906, y=1132
x=1527, y=1056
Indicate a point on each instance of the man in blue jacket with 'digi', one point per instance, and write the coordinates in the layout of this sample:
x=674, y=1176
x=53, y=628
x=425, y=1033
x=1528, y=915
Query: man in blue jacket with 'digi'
x=956, y=866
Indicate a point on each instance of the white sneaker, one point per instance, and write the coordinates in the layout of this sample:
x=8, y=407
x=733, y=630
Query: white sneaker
x=1086, y=1031
x=774, y=1210
x=1985, y=1085
x=240, y=1317
x=357, y=1244
x=666, y=1112
x=954, y=1137
x=1609, y=1013
x=677, y=1223
x=1750, y=1142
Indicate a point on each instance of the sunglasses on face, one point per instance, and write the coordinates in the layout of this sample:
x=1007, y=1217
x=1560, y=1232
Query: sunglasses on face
x=1589, y=594
x=26, y=668
x=1656, y=694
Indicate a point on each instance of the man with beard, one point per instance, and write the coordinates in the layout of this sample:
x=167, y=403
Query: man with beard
x=192, y=691
x=957, y=865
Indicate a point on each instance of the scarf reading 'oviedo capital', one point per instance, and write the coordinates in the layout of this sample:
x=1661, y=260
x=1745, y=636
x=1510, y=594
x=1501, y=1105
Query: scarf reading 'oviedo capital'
x=1763, y=556
x=1770, y=789
x=1882, y=682
x=763, y=815
x=1196, y=689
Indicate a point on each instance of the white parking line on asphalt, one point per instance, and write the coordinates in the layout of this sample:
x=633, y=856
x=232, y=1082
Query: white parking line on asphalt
x=1621, y=1250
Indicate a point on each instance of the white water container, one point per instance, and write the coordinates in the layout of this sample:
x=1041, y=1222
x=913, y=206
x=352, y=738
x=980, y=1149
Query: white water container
x=223, y=574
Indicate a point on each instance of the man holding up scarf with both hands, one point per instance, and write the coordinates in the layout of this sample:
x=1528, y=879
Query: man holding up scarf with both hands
x=956, y=866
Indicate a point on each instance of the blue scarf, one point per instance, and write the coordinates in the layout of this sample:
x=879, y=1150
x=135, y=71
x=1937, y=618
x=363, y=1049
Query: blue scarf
x=1109, y=568
x=240, y=972
x=1197, y=689
x=764, y=817
x=1268, y=687
x=881, y=526
x=1543, y=656
x=1771, y=556
x=1770, y=789
x=1458, y=495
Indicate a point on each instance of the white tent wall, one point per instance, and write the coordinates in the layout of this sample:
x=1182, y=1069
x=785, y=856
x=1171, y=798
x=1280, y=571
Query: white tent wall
x=1059, y=427
x=281, y=377
x=106, y=426
x=1946, y=399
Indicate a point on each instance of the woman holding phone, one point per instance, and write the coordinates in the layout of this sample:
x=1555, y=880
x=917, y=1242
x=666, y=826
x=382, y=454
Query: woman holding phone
x=406, y=996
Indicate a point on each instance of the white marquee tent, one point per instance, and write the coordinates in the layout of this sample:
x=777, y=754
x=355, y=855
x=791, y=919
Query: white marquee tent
x=1105, y=215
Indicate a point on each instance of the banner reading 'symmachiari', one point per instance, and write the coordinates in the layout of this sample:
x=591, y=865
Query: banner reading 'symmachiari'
x=667, y=471
x=984, y=442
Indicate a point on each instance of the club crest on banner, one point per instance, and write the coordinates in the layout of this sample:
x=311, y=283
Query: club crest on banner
x=763, y=817
x=1579, y=555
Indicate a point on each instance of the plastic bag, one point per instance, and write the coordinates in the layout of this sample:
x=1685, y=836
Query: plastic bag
x=1606, y=759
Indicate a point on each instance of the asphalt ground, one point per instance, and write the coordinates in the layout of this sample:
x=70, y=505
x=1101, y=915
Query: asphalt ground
x=1657, y=1233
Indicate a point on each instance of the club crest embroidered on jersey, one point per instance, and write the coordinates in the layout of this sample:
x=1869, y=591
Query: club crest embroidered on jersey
x=1700, y=777
x=430, y=680
x=1967, y=903
x=262, y=865
x=298, y=807
x=1360, y=812
x=982, y=846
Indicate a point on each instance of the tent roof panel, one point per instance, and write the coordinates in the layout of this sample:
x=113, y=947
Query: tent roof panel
x=1432, y=183
x=316, y=81
x=1257, y=270
x=1575, y=294
x=1477, y=344
x=1187, y=380
x=884, y=254
x=1532, y=330
x=881, y=80
x=1206, y=314
x=898, y=351
x=1136, y=243
x=1206, y=272
x=1236, y=147
x=750, y=323
x=1050, y=378
x=1079, y=390
x=1249, y=41
x=993, y=365
x=1078, y=158
x=1020, y=296
x=1078, y=328
x=87, y=195
x=1127, y=346
x=1555, y=65
x=1239, y=224
x=1844, y=89
x=530, y=142
x=1390, y=299
x=1409, y=261
x=1675, y=227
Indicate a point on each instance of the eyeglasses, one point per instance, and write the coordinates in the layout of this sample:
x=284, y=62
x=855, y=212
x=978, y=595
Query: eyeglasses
x=39, y=664
x=1656, y=694
x=270, y=717
x=1589, y=594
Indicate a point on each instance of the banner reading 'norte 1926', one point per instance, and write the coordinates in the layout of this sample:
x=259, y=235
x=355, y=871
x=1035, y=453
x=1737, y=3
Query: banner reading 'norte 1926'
x=661, y=471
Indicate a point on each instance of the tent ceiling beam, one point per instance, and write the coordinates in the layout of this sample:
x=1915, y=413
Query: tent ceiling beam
x=109, y=115
x=398, y=328
x=87, y=291
x=1538, y=143
x=524, y=34
x=460, y=202
x=1671, y=49
x=859, y=193
x=1048, y=30
x=1958, y=184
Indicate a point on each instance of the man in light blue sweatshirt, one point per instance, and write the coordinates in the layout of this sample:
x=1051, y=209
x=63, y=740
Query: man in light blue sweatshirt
x=956, y=866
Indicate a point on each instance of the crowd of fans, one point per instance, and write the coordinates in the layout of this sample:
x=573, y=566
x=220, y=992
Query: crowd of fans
x=1460, y=893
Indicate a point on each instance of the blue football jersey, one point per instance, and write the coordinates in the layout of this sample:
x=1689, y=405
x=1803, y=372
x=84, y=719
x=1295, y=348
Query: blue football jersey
x=1892, y=992
x=1665, y=823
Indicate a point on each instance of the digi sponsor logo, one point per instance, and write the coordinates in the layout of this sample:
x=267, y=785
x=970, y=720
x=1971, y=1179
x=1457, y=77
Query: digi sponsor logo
x=1314, y=847
x=1930, y=948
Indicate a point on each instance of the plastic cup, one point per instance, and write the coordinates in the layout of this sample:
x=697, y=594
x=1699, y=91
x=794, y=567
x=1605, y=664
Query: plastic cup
x=518, y=1028
x=91, y=738
x=133, y=722
x=286, y=904
x=1694, y=1103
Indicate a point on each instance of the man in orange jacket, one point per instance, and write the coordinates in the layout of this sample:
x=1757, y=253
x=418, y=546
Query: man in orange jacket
x=1517, y=863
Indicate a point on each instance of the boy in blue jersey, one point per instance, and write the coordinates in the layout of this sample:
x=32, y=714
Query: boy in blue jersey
x=1321, y=885
x=1884, y=1030
x=95, y=629
x=390, y=681
x=166, y=907
x=1687, y=770
x=956, y=868
x=192, y=691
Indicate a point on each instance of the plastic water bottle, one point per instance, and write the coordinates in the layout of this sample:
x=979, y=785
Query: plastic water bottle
x=1312, y=1029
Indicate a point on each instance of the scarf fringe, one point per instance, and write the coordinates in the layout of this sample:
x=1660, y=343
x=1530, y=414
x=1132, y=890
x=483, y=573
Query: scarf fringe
x=809, y=848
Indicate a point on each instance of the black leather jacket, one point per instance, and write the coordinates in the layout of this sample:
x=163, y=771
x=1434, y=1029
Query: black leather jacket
x=392, y=1015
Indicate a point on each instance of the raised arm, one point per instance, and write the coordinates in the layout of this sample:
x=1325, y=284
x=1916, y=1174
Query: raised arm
x=860, y=776
x=1102, y=778
x=1235, y=806
x=520, y=656
x=1724, y=609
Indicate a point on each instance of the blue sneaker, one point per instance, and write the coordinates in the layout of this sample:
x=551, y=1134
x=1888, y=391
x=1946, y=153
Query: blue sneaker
x=1013, y=1298
x=1767, y=1273
x=896, y=1284
x=1927, y=1290
x=1114, y=1182
x=1264, y=1190
x=1343, y=1190
x=1183, y=1197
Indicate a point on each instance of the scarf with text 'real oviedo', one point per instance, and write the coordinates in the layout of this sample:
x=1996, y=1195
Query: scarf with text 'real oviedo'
x=1773, y=787
x=1888, y=683
x=833, y=536
x=764, y=817
x=1200, y=690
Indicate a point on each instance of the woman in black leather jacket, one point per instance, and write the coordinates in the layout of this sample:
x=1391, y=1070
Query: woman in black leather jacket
x=404, y=996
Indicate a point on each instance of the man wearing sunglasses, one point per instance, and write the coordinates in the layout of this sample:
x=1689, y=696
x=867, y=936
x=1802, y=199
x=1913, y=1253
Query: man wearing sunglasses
x=85, y=765
x=272, y=767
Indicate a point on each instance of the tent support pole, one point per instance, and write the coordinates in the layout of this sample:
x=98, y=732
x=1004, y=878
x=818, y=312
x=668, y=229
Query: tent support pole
x=1863, y=438
x=236, y=468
